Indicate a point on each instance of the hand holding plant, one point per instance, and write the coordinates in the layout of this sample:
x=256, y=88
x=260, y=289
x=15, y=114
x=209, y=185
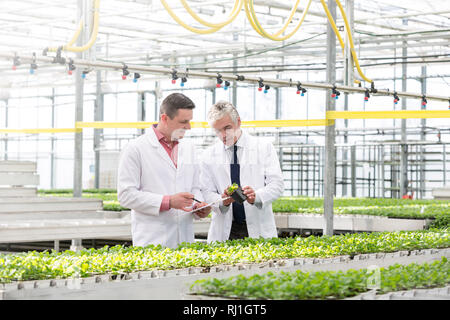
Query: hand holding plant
x=227, y=193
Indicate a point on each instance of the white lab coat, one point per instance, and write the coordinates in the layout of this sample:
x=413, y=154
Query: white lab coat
x=259, y=169
x=146, y=173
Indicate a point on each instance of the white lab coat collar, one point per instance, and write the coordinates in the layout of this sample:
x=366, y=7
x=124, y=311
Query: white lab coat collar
x=241, y=142
x=159, y=148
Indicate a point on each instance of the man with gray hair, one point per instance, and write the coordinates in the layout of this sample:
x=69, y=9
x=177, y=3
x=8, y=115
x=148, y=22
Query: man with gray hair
x=248, y=161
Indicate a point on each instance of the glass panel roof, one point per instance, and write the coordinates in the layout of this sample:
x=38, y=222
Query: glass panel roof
x=142, y=32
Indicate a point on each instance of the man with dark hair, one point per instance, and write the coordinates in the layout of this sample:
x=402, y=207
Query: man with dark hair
x=175, y=101
x=158, y=179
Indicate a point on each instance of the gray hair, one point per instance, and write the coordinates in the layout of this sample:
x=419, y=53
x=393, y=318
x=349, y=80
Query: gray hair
x=220, y=110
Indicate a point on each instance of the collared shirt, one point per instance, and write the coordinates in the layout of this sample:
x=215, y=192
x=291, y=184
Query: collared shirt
x=240, y=147
x=170, y=147
x=240, y=143
x=172, y=151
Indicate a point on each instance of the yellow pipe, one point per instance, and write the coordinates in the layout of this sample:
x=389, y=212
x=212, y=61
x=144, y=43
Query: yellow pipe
x=251, y=16
x=331, y=116
x=333, y=25
x=250, y=19
x=72, y=41
x=94, y=33
x=401, y=114
x=234, y=13
x=352, y=45
x=204, y=124
x=117, y=125
x=286, y=123
x=35, y=131
x=254, y=22
x=288, y=21
x=336, y=31
x=180, y=22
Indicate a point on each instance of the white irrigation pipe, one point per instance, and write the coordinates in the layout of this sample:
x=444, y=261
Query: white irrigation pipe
x=230, y=77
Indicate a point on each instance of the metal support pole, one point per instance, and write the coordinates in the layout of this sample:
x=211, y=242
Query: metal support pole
x=234, y=88
x=353, y=168
x=423, y=83
x=6, y=126
x=383, y=172
x=141, y=110
x=278, y=110
x=404, y=146
x=157, y=99
x=330, y=163
x=213, y=96
x=98, y=116
x=444, y=159
x=235, y=61
x=52, y=155
x=79, y=99
x=79, y=93
x=348, y=81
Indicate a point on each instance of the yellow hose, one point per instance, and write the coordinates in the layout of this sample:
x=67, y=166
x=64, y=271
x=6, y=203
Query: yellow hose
x=180, y=22
x=352, y=45
x=333, y=25
x=288, y=21
x=250, y=19
x=94, y=33
x=72, y=41
x=251, y=15
x=236, y=10
x=76, y=35
x=69, y=46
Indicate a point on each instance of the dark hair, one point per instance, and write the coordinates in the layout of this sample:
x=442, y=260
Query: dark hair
x=173, y=102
